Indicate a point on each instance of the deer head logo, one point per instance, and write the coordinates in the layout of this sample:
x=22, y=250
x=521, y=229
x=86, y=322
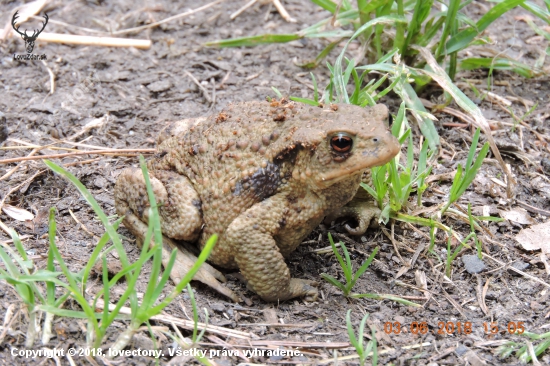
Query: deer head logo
x=29, y=40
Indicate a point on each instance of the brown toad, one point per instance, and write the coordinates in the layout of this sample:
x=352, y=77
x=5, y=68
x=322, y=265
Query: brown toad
x=261, y=175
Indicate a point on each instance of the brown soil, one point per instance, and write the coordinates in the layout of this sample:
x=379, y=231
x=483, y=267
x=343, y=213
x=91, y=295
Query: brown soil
x=138, y=92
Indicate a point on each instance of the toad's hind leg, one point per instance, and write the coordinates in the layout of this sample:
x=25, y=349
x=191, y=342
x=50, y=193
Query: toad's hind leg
x=251, y=236
x=180, y=218
x=178, y=202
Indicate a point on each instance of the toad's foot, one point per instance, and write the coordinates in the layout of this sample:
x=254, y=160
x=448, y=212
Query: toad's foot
x=362, y=211
x=184, y=259
x=304, y=288
x=298, y=287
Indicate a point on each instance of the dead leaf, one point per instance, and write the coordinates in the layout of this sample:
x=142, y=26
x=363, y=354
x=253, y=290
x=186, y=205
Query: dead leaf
x=536, y=237
x=420, y=278
x=17, y=213
x=270, y=316
x=518, y=215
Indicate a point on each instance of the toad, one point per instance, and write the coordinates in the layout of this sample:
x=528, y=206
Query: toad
x=261, y=175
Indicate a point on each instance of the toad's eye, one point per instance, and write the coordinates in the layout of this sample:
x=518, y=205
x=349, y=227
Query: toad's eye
x=341, y=143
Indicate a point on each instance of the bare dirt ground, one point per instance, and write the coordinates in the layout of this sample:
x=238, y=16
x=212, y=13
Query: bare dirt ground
x=135, y=93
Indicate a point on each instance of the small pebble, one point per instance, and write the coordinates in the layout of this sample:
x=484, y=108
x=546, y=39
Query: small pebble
x=473, y=264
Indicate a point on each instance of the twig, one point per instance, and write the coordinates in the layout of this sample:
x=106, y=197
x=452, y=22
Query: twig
x=394, y=242
x=517, y=270
x=40, y=147
x=169, y=19
x=81, y=162
x=528, y=208
x=15, y=168
x=81, y=224
x=117, y=152
x=454, y=303
x=254, y=76
x=281, y=9
x=381, y=352
x=95, y=40
x=28, y=180
x=448, y=110
x=278, y=325
x=80, y=144
x=10, y=241
x=8, y=321
x=202, y=88
x=52, y=76
x=72, y=27
x=95, y=123
x=242, y=9
x=186, y=324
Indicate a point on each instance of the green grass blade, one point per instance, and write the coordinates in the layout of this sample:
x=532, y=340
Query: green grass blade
x=326, y=4
x=371, y=191
x=364, y=266
x=537, y=10
x=95, y=206
x=254, y=40
x=25, y=264
x=165, y=275
x=187, y=278
x=374, y=357
x=472, y=150
x=340, y=86
x=399, y=39
x=315, y=91
x=154, y=222
x=337, y=254
x=96, y=254
x=449, y=24
x=457, y=180
x=277, y=92
x=425, y=124
x=321, y=56
x=471, y=173
x=362, y=330
x=348, y=269
x=343, y=18
x=352, y=338
x=73, y=313
x=422, y=9
x=397, y=125
x=372, y=5
x=430, y=32
x=50, y=286
x=8, y=261
x=106, y=295
x=501, y=63
x=305, y=101
x=333, y=281
x=195, y=313
x=465, y=37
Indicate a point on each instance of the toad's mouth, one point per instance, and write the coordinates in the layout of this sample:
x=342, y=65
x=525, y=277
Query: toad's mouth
x=358, y=166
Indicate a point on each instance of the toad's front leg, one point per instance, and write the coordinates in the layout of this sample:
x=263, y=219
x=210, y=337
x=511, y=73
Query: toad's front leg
x=180, y=219
x=251, y=236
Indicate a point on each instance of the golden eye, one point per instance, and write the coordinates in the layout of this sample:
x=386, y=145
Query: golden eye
x=341, y=143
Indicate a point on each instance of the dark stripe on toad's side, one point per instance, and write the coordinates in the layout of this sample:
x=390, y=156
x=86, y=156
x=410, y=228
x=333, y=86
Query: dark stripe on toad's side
x=263, y=183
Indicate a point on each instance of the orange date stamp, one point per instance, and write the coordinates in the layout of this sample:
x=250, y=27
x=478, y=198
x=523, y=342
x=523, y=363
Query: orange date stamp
x=448, y=328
